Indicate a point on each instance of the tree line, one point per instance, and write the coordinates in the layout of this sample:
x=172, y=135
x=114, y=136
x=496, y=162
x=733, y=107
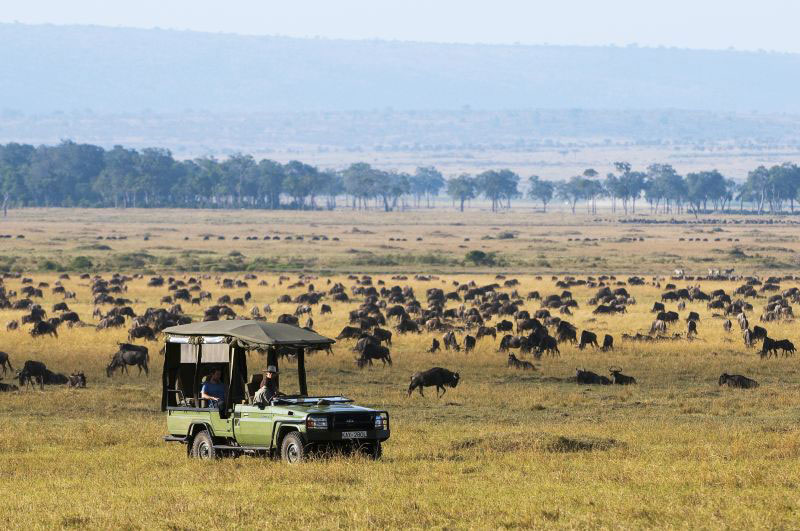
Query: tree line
x=73, y=174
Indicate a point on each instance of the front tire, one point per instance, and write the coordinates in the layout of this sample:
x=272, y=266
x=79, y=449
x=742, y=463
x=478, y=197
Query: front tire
x=292, y=448
x=203, y=446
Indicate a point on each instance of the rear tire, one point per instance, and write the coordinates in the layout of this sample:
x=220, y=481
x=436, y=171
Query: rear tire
x=203, y=446
x=293, y=449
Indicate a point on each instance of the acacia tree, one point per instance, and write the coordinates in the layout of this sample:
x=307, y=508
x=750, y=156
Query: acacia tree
x=498, y=185
x=461, y=188
x=540, y=190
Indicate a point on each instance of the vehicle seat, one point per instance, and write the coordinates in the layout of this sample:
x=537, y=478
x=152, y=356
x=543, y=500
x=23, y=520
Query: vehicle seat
x=254, y=383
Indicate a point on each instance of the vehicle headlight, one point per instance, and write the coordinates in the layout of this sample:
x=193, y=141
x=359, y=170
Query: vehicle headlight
x=317, y=422
x=381, y=421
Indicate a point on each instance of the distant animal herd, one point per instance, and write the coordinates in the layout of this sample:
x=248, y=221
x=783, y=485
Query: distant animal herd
x=464, y=314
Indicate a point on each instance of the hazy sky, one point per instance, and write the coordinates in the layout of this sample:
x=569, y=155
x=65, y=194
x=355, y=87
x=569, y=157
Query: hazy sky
x=743, y=24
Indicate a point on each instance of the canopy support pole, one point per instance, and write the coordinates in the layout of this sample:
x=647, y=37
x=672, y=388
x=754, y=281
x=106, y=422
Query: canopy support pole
x=272, y=359
x=301, y=371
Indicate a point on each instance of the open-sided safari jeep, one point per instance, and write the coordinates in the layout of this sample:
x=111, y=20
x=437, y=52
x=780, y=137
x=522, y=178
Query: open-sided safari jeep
x=290, y=426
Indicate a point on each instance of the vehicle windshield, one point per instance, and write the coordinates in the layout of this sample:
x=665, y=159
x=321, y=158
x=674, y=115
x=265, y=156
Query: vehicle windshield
x=298, y=399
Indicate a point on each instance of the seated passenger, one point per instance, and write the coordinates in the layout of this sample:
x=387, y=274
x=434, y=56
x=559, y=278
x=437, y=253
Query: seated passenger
x=213, y=389
x=268, y=389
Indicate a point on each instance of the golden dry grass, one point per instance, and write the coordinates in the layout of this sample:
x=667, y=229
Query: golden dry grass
x=504, y=449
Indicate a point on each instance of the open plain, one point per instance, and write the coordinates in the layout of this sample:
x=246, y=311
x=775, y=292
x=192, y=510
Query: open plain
x=506, y=448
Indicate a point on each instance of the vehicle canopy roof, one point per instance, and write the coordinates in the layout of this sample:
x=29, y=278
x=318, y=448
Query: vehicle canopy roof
x=247, y=334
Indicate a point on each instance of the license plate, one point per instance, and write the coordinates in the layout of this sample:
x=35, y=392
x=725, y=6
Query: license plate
x=354, y=434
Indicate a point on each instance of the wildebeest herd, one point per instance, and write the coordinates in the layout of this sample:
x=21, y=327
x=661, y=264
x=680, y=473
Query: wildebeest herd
x=459, y=316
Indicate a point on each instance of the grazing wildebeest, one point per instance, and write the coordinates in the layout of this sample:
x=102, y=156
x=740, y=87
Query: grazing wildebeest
x=383, y=335
x=5, y=362
x=504, y=326
x=141, y=332
x=371, y=352
x=32, y=371
x=668, y=317
x=43, y=328
x=517, y=363
x=658, y=307
x=620, y=379
x=692, y=329
x=434, y=346
x=484, y=331
x=407, y=325
x=727, y=325
x=583, y=376
x=567, y=333
x=349, y=332
x=325, y=309
x=436, y=376
x=608, y=343
x=737, y=380
x=469, y=343
x=588, y=338
x=77, y=380
x=785, y=345
x=12, y=325
x=129, y=354
x=549, y=345
x=693, y=316
x=288, y=319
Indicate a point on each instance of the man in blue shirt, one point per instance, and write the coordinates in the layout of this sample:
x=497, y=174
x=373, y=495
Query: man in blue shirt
x=213, y=389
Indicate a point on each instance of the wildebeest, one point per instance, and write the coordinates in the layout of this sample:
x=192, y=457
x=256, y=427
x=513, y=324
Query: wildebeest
x=692, y=329
x=727, y=325
x=288, y=319
x=5, y=362
x=349, y=332
x=77, y=380
x=549, y=345
x=658, y=326
x=588, y=338
x=43, y=328
x=450, y=341
x=129, y=354
x=32, y=371
x=785, y=345
x=325, y=309
x=582, y=376
x=469, y=343
x=434, y=346
x=12, y=325
x=370, y=352
x=436, y=376
x=658, y=307
x=382, y=335
x=517, y=363
x=693, y=316
x=620, y=379
x=608, y=343
x=504, y=326
x=738, y=381
x=141, y=332
x=484, y=331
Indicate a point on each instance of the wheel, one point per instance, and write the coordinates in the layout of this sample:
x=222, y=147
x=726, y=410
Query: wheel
x=292, y=448
x=372, y=450
x=203, y=446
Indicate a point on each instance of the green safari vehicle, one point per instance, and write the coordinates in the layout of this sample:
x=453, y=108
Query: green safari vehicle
x=292, y=426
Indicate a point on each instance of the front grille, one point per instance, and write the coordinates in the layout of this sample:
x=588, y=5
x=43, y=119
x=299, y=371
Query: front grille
x=353, y=421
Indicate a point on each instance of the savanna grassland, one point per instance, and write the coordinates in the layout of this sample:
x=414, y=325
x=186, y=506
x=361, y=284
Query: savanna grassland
x=505, y=448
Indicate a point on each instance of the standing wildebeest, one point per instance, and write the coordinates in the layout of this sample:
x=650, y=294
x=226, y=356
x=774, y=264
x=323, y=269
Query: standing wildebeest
x=325, y=309
x=129, y=355
x=548, y=344
x=349, y=332
x=32, y=371
x=608, y=343
x=469, y=343
x=785, y=345
x=141, y=332
x=588, y=338
x=693, y=316
x=43, y=328
x=370, y=352
x=658, y=326
x=504, y=326
x=382, y=335
x=658, y=307
x=620, y=379
x=484, y=331
x=738, y=381
x=450, y=341
x=287, y=318
x=517, y=363
x=436, y=376
x=727, y=325
x=12, y=325
x=5, y=362
x=692, y=329
x=583, y=376
x=434, y=346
